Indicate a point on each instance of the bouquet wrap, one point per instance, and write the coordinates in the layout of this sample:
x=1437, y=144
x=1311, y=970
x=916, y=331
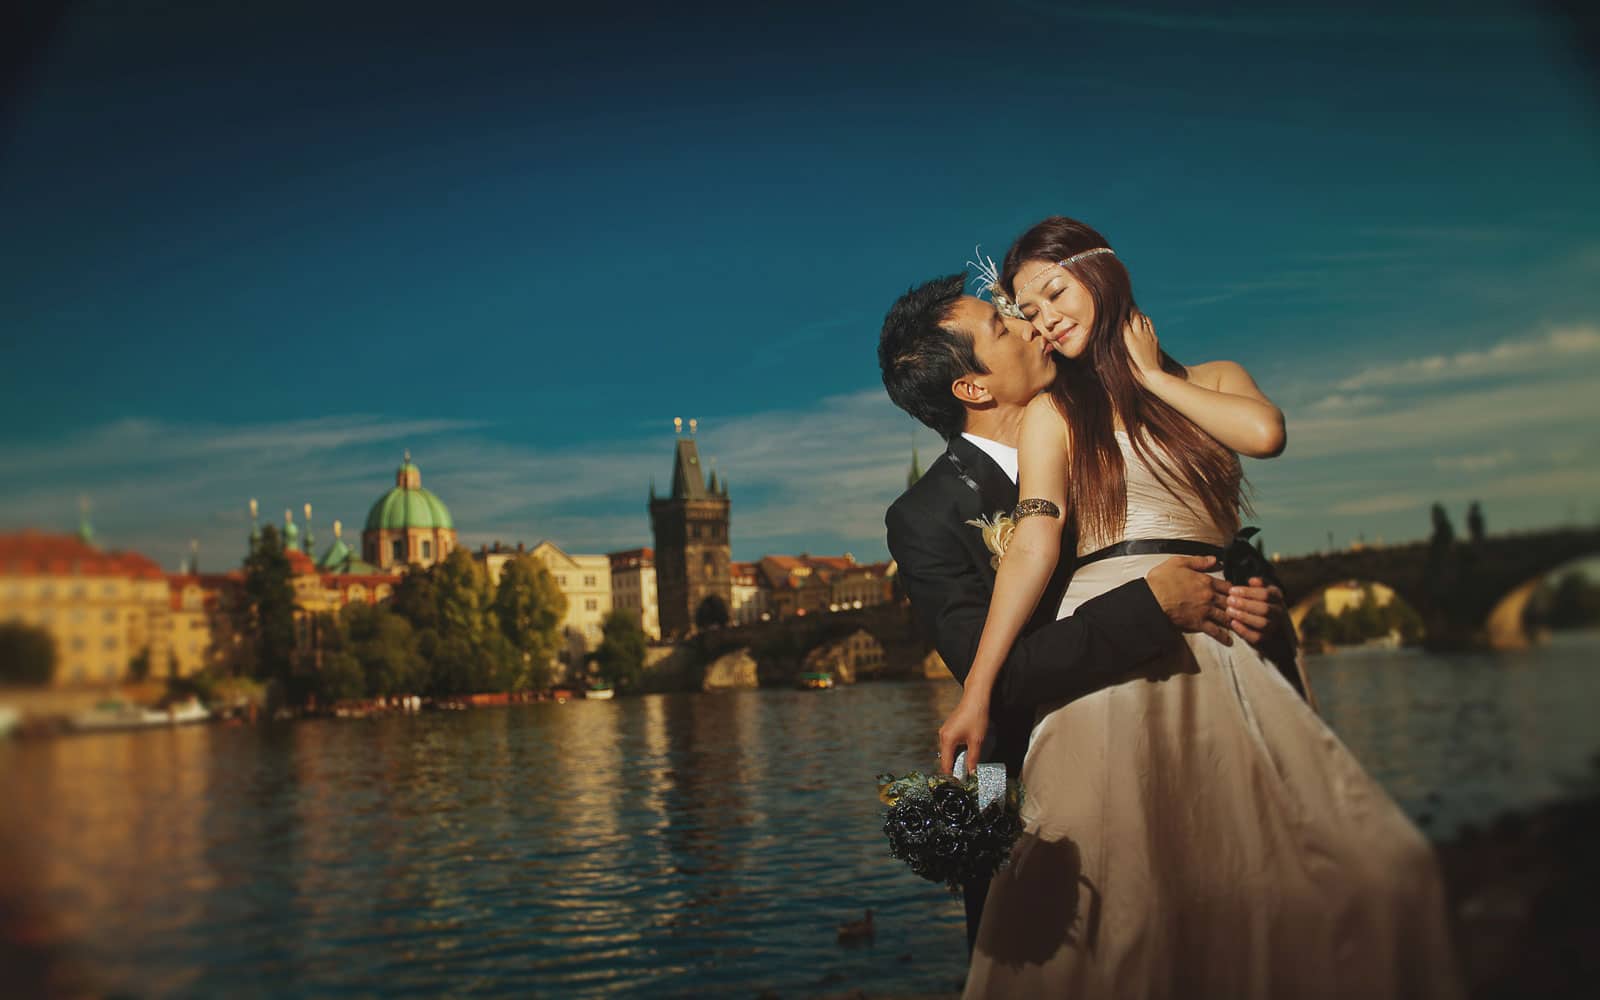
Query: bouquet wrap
x=953, y=829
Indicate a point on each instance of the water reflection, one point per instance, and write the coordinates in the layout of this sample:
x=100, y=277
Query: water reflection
x=671, y=845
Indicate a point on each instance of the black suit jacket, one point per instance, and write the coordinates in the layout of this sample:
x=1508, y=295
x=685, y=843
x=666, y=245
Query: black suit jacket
x=945, y=570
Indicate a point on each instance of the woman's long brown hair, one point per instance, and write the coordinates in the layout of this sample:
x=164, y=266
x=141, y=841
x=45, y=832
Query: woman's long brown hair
x=1096, y=388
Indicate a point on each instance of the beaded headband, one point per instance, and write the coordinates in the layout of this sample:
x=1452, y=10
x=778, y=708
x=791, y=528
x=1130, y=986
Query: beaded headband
x=1077, y=257
x=988, y=278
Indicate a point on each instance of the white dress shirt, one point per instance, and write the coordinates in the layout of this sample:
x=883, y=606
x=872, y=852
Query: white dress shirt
x=1004, y=455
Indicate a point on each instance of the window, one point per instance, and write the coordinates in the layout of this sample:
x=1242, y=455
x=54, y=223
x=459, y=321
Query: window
x=591, y=605
x=111, y=642
x=397, y=550
x=427, y=550
x=588, y=581
x=78, y=644
x=561, y=581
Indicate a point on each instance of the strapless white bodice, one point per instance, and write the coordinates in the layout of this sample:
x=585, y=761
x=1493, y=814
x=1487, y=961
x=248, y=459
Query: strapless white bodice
x=1153, y=511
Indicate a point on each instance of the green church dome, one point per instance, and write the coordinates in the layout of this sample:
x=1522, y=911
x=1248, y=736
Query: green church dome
x=408, y=505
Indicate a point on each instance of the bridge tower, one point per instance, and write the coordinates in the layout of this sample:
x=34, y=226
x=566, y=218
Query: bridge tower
x=692, y=550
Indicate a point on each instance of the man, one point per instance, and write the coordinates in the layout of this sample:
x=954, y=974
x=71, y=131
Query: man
x=953, y=362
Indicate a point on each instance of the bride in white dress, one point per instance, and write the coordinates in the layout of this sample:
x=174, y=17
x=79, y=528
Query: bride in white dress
x=1197, y=830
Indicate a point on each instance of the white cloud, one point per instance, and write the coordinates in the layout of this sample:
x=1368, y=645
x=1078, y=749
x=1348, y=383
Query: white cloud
x=1482, y=462
x=1553, y=350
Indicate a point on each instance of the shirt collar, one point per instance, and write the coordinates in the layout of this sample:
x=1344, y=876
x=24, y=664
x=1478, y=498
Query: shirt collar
x=1004, y=455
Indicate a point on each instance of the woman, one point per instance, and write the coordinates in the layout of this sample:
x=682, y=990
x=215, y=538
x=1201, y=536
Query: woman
x=1200, y=832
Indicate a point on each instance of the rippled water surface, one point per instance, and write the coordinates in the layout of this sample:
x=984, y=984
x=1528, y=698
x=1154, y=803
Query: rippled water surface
x=666, y=845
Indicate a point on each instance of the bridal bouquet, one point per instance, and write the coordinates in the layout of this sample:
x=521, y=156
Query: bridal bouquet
x=952, y=830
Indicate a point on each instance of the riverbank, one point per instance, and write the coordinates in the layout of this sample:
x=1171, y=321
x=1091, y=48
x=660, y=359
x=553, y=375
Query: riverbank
x=1525, y=898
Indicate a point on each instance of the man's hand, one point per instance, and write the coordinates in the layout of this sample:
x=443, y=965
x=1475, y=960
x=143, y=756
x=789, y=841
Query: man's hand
x=965, y=727
x=1257, y=611
x=1194, y=601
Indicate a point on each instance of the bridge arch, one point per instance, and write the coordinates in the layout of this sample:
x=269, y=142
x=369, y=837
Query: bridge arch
x=1467, y=592
x=1507, y=624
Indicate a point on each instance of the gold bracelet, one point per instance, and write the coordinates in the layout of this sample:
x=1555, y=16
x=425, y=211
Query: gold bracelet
x=1035, y=505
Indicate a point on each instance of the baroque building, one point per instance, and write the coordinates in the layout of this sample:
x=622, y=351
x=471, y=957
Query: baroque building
x=408, y=526
x=692, y=549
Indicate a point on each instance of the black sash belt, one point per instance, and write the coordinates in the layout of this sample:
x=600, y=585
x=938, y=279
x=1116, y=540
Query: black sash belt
x=1239, y=562
x=1152, y=547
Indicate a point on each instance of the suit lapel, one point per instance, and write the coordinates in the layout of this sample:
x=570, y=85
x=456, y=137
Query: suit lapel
x=990, y=491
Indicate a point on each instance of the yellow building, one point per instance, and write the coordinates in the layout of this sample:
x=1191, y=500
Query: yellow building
x=1340, y=596
x=633, y=588
x=103, y=609
x=586, y=582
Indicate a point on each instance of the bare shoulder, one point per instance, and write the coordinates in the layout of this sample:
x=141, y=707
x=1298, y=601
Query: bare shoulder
x=1042, y=413
x=1219, y=374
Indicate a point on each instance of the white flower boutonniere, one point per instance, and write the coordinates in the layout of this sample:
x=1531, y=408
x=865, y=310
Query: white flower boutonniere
x=996, y=534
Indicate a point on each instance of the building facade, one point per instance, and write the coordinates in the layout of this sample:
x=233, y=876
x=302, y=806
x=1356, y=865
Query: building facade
x=102, y=609
x=692, y=548
x=793, y=586
x=633, y=588
x=749, y=596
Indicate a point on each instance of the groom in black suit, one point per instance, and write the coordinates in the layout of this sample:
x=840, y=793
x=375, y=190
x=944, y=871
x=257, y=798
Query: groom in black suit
x=953, y=362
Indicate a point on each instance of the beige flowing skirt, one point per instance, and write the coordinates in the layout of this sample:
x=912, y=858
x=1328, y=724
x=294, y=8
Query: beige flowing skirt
x=1198, y=831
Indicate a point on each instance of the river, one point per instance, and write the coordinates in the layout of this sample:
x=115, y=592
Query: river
x=672, y=845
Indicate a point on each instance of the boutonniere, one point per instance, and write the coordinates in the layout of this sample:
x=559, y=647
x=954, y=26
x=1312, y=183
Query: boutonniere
x=996, y=534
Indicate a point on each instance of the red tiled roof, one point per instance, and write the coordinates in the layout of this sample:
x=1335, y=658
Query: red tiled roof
x=31, y=552
x=632, y=557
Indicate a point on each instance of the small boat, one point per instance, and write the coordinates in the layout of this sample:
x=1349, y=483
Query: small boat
x=818, y=681
x=600, y=692
x=114, y=713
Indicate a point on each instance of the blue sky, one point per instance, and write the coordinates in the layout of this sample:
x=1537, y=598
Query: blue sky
x=256, y=254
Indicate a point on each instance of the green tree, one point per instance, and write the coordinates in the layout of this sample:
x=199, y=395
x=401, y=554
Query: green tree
x=462, y=590
x=1475, y=526
x=1574, y=601
x=139, y=666
x=269, y=600
x=27, y=654
x=416, y=599
x=1444, y=534
x=340, y=677
x=622, y=649
x=385, y=645
x=528, y=606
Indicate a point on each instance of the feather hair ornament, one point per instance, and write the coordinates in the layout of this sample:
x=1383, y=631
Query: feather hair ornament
x=988, y=281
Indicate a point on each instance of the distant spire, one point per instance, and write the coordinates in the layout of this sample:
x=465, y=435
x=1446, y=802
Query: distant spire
x=694, y=425
x=677, y=425
x=85, y=529
x=338, y=531
x=194, y=555
x=291, y=534
x=255, y=525
x=307, y=549
x=915, y=472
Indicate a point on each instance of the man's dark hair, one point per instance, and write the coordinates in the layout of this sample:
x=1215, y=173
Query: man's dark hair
x=920, y=353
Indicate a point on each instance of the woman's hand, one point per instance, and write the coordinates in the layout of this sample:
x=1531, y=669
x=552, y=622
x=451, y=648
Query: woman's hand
x=1144, y=351
x=965, y=727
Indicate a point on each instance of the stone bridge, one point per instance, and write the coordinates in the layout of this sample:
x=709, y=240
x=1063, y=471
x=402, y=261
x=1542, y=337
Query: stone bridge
x=891, y=648
x=1469, y=593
